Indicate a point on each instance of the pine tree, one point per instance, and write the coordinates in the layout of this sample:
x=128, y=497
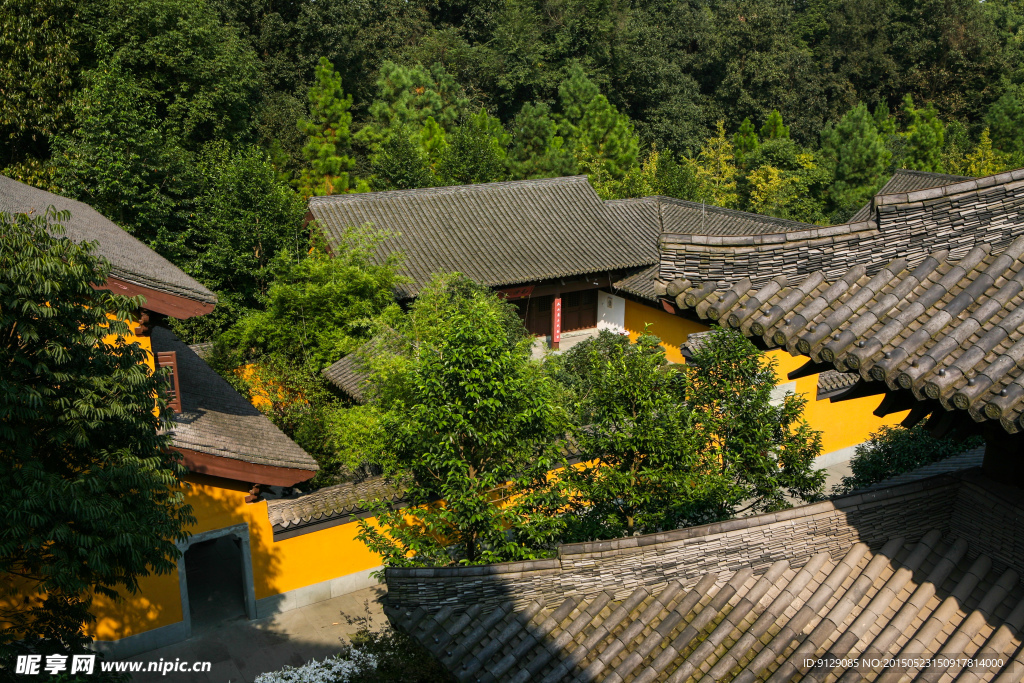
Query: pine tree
x=599, y=134
x=537, y=149
x=774, y=128
x=925, y=135
x=860, y=156
x=1005, y=120
x=745, y=141
x=409, y=98
x=327, y=134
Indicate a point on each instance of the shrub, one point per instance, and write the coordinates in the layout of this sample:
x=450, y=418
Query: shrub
x=894, y=450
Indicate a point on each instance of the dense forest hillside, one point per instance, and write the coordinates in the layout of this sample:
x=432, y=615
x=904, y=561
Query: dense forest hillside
x=201, y=125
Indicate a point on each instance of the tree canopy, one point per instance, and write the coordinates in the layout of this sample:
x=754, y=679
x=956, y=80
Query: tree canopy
x=93, y=497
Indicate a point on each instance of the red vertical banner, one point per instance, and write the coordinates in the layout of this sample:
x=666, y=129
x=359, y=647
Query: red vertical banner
x=556, y=320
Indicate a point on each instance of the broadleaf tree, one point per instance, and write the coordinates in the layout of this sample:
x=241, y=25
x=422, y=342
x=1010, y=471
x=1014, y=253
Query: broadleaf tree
x=470, y=431
x=93, y=497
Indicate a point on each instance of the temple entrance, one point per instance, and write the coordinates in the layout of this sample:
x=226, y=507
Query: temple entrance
x=216, y=583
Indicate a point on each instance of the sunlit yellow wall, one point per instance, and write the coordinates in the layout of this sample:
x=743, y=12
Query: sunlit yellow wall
x=843, y=424
x=277, y=567
x=671, y=329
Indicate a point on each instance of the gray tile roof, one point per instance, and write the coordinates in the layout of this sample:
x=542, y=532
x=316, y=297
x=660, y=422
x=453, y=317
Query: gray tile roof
x=640, y=283
x=947, y=329
x=920, y=595
x=349, y=375
x=340, y=503
x=130, y=259
x=496, y=233
x=911, y=225
x=908, y=181
x=833, y=383
x=217, y=420
x=682, y=217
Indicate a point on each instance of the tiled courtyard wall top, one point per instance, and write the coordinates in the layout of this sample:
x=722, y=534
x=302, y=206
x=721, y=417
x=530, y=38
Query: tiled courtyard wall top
x=621, y=565
x=911, y=225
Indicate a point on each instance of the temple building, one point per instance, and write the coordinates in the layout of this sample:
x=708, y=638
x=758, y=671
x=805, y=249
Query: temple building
x=917, y=306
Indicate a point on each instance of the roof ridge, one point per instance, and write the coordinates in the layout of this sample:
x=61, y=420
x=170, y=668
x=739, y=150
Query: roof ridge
x=961, y=187
x=764, y=218
x=448, y=189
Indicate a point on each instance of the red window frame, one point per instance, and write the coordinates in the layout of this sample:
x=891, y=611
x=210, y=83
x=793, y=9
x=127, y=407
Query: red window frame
x=169, y=359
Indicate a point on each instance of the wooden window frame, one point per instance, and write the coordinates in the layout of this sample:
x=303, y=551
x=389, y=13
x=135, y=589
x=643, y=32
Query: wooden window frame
x=169, y=359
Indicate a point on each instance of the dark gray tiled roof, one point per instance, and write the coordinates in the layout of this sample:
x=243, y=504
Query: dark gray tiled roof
x=640, y=217
x=912, y=224
x=348, y=375
x=496, y=233
x=949, y=330
x=679, y=216
x=762, y=619
x=640, y=283
x=130, y=259
x=217, y=420
x=832, y=383
x=908, y=181
x=334, y=503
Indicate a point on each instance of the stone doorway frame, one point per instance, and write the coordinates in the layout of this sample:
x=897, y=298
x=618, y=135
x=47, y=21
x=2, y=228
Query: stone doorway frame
x=239, y=531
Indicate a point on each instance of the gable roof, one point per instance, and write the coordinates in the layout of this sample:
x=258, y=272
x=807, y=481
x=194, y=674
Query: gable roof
x=217, y=420
x=496, y=233
x=904, y=180
x=130, y=259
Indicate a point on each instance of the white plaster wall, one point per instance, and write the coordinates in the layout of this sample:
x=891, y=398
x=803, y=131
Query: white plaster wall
x=611, y=313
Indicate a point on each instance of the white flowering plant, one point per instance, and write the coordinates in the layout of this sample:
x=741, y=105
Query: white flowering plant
x=343, y=668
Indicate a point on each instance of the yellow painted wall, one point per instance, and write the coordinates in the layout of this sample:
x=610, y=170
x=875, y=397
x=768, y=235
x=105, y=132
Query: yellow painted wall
x=671, y=329
x=277, y=567
x=843, y=424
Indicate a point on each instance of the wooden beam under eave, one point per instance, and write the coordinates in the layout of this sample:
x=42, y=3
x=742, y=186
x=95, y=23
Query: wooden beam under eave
x=172, y=305
x=861, y=389
x=810, y=368
x=242, y=470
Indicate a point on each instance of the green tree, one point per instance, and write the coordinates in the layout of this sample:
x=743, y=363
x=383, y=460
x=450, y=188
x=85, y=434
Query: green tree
x=476, y=152
x=195, y=69
x=764, y=449
x=318, y=303
x=240, y=216
x=469, y=434
x=93, y=495
x=595, y=129
x=773, y=127
x=327, y=135
x=39, y=74
x=894, y=450
x=1005, y=120
x=640, y=472
x=924, y=135
x=538, y=151
x=406, y=97
x=401, y=165
x=860, y=156
x=118, y=160
x=745, y=141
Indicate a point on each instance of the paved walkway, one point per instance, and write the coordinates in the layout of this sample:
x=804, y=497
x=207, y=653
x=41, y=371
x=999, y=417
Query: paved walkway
x=240, y=650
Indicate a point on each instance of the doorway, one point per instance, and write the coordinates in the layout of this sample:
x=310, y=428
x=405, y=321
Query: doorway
x=215, y=578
